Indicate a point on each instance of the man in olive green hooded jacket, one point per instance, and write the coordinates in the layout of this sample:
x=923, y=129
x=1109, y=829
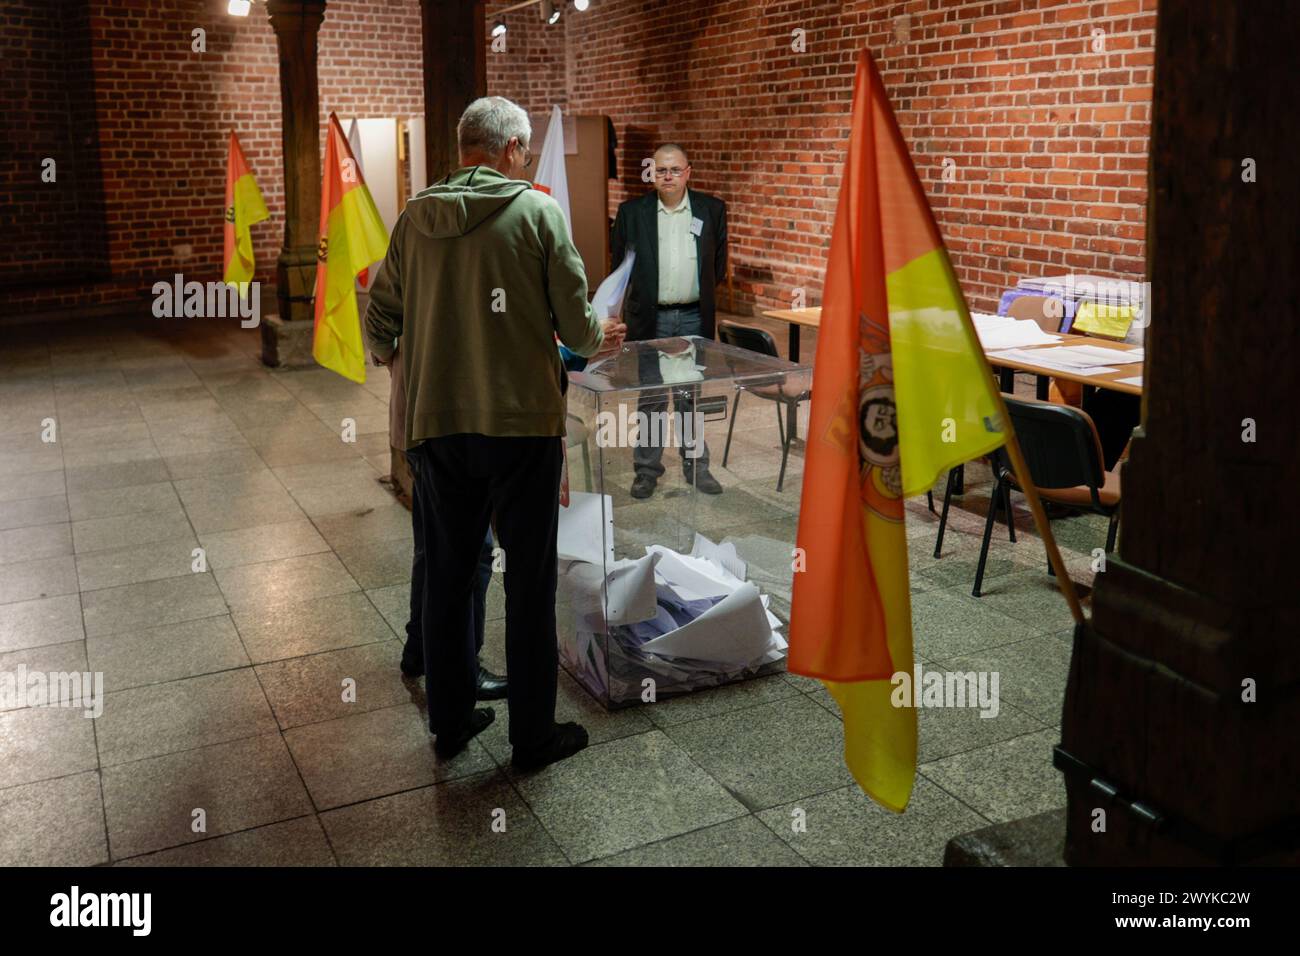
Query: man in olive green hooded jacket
x=480, y=279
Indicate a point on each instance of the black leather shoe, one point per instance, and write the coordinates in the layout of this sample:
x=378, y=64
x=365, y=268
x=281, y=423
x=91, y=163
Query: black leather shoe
x=705, y=483
x=448, y=745
x=566, y=741
x=490, y=686
x=643, y=486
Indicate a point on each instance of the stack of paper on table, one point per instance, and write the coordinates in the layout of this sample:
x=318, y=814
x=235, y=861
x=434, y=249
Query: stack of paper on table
x=1004, y=332
x=1079, y=359
x=1080, y=285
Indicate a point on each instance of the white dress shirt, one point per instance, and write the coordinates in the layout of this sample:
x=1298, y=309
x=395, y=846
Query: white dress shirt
x=679, y=270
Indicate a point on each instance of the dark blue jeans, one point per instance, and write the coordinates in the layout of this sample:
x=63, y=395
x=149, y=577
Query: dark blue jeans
x=647, y=455
x=413, y=651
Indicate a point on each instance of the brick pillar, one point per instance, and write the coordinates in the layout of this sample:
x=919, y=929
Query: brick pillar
x=286, y=338
x=1201, y=598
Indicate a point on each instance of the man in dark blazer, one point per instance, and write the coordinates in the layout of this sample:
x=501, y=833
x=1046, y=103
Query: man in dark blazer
x=680, y=239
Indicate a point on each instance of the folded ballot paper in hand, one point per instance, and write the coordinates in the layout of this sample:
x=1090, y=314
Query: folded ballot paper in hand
x=607, y=303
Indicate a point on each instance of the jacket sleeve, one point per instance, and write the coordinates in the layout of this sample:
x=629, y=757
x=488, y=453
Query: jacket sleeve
x=566, y=286
x=720, y=255
x=383, y=322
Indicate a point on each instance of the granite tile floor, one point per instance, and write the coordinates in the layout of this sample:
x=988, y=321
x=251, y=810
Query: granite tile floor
x=199, y=531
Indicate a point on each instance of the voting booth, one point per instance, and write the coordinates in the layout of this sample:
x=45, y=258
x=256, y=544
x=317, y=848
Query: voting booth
x=682, y=590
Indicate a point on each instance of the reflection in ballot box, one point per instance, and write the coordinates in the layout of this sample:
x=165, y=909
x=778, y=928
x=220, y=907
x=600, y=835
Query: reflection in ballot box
x=682, y=590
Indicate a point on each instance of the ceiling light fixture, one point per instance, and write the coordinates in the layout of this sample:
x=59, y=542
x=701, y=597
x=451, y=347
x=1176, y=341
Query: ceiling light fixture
x=238, y=8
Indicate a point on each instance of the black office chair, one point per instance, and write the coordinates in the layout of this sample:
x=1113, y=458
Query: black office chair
x=786, y=391
x=1064, y=457
x=956, y=484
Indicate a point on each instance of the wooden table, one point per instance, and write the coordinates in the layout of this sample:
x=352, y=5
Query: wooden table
x=796, y=318
x=1110, y=380
x=1107, y=380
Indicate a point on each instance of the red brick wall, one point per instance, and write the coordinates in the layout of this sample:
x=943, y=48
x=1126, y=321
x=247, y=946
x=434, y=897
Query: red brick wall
x=1048, y=139
x=163, y=110
x=48, y=114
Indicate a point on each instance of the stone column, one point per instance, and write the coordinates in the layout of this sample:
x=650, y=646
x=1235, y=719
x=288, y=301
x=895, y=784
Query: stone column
x=286, y=337
x=1183, y=705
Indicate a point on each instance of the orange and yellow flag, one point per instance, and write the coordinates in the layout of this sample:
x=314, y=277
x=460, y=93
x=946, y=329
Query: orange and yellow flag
x=244, y=206
x=901, y=393
x=352, y=236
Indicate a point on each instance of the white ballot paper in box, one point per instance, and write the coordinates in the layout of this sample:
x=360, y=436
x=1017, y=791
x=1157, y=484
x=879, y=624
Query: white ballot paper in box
x=608, y=300
x=586, y=529
x=692, y=578
x=723, y=555
x=733, y=631
x=626, y=595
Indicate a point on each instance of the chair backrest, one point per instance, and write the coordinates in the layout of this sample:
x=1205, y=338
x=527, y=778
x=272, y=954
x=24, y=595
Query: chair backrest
x=747, y=337
x=1059, y=442
x=1047, y=311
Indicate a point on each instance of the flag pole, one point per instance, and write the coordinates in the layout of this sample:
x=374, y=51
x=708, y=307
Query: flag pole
x=1021, y=471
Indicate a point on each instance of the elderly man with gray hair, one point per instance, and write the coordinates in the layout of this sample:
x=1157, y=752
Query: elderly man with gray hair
x=480, y=279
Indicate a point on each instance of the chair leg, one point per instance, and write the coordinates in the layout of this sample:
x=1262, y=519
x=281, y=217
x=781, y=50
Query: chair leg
x=1041, y=391
x=943, y=518
x=780, y=423
x=1006, y=503
x=731, y=428
x=1111, y=532
x=929, y=502
x=1051, y=571
x=988, y=534
x=960, y=487
x=785, y=452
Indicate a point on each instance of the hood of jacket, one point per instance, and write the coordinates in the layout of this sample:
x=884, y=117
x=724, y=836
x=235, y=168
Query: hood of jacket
x=463, y=201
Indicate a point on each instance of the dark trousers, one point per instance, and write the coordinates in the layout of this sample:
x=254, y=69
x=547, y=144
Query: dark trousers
x=1116, y=415
x=648, y=453
x=413, y=650
x=470, y=478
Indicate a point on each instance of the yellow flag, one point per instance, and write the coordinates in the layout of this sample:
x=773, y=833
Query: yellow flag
x=244, y=206
x=352, y=236
x=901, y=393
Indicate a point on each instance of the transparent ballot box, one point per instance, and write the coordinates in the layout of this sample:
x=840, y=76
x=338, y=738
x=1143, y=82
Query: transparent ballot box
x=683, y=589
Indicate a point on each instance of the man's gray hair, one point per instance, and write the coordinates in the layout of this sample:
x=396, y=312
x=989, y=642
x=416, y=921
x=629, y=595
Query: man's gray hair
x=488, y=124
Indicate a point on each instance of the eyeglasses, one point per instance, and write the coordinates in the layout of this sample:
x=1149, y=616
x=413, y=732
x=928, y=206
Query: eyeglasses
x=528, y=154
x=670, y=172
